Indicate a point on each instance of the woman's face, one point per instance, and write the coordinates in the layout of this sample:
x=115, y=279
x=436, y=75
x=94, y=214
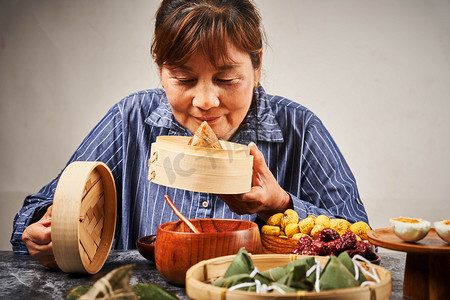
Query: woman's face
x=199, y=92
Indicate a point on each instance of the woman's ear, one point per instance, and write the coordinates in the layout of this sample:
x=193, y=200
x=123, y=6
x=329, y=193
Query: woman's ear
x=160, y=76
x=258, y=70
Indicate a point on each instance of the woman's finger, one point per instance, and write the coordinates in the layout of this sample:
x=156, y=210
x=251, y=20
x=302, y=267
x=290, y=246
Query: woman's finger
x=234, y=203
x=258, y=164
x=37, y=250
x=41, y=235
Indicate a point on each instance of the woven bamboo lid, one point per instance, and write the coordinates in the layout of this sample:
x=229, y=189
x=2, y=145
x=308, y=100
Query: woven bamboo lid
x=83, y=217
x=174, y=163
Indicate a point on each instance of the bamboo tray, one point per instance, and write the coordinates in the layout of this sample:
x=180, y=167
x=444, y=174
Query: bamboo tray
x=205, y=271
x=83, y=217
x=176, y=164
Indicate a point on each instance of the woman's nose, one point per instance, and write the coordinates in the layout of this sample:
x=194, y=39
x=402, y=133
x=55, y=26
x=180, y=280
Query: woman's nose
x=205, y=97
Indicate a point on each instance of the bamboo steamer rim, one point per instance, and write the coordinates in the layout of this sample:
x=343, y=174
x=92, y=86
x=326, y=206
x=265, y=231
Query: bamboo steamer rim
x=174, y=163
x=84, y=217
x=198, y=274
x=180, y=143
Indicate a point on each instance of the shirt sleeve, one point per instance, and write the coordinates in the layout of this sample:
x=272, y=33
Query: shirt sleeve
x=328, y=186
x=103, y=143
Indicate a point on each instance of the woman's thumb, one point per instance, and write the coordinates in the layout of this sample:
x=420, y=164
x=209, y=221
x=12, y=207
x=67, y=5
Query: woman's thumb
x=259, y=165
x=258, y=157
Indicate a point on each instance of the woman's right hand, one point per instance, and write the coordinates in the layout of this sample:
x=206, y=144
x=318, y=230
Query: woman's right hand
x=38, y=239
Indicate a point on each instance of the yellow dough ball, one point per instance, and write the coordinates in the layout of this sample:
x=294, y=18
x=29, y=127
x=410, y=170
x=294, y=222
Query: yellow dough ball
x=291, y=229
x=306, y=225
x=360, y=229
x=340, y=225
x=289, y=216
x=317, y=229
x=275, y=220
x=324, y=220
x=270, y=230
x=299, y=235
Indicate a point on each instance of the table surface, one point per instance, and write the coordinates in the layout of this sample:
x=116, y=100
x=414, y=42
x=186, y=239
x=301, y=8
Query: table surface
x=22, y=277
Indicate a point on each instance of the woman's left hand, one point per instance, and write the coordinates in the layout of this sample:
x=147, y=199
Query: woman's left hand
x=266, y=197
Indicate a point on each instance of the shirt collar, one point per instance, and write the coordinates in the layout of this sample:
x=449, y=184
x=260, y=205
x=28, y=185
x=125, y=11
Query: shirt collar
x=162, y=116
x=260, y=124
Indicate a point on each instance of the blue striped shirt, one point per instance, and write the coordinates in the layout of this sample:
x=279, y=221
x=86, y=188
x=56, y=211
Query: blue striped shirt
x=297, y=148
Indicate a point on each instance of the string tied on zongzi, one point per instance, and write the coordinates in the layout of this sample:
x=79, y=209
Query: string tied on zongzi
x=260, y=288
x=316, y=267
x=358, y=266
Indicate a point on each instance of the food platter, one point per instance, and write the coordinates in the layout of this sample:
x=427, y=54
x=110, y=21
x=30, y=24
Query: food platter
x=427, y=263
x=278, y=245
x=197, y=277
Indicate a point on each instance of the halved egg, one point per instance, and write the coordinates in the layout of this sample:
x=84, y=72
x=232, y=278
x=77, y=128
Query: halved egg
x=410, y=229
x=443, y=229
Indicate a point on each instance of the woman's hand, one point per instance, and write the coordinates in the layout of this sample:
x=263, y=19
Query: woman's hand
x=266, y=197
x=38, y=239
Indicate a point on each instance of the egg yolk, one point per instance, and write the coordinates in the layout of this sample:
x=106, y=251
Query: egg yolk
x=447, y=223
x=407, y=220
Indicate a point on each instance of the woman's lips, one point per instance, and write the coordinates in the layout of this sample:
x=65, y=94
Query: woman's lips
x=210, y=120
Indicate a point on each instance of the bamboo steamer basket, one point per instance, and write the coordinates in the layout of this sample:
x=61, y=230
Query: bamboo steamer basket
x=83, y=217
x=198, y=276
x=176, y=164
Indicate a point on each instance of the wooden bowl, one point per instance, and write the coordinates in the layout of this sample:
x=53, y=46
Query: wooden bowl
x=178, y=248
x=277, y=245
x=176, y=164
x=199, y=276
x=146, y=246
x=83, y=217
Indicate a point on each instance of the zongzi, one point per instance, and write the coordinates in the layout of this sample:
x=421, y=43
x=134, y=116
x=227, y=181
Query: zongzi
x=204, y=136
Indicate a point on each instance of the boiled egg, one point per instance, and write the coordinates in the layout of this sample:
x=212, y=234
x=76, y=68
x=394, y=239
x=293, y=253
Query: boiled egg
x=443, y=229
x=410, y=229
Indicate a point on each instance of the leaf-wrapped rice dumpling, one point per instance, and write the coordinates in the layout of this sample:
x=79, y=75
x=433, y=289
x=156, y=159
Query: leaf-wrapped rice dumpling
x=204, y=136
x=241, y=264
x=297, y=275
x=345, y=259
x=335, y=275
x=241, y=270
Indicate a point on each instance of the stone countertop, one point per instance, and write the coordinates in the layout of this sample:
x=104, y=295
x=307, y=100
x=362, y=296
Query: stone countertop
x=22, y=277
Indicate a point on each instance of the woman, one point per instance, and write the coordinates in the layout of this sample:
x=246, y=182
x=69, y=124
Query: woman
x=209, y=56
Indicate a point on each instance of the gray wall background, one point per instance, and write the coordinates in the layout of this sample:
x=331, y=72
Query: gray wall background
x=376, y=72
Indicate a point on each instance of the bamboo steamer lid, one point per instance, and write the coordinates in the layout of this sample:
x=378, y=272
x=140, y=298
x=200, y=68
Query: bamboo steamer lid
x=176, y=164
x=83, y=217
x=200, y=274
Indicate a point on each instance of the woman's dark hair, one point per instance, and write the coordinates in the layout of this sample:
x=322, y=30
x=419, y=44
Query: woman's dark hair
x=183, y=27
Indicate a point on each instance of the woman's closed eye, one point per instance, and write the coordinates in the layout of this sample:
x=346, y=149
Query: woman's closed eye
x=186, y=80
x=226, y=80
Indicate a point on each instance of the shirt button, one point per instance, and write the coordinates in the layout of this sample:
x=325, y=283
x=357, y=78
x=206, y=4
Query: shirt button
x=205, y=204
